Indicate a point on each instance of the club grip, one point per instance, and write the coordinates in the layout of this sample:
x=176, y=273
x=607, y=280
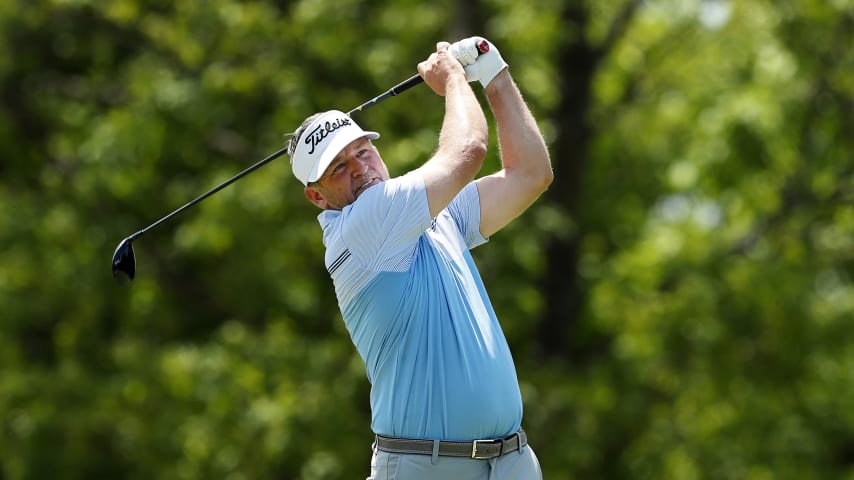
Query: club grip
x=482, y=46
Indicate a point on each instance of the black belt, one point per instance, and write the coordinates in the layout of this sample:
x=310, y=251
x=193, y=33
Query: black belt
x=478, y=449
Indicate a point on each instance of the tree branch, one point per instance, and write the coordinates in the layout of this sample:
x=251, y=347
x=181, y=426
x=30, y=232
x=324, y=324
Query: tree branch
x=618, y=27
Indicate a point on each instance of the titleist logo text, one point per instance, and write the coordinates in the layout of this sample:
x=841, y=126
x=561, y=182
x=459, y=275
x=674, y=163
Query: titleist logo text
x=320, y=132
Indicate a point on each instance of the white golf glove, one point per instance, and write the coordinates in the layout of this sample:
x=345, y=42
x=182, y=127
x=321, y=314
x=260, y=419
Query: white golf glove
x=479, y=65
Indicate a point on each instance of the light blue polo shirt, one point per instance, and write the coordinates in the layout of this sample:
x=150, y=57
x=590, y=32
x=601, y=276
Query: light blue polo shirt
x=419, y=316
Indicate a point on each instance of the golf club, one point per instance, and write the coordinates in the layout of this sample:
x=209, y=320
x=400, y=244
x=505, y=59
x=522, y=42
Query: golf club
x=124, y=259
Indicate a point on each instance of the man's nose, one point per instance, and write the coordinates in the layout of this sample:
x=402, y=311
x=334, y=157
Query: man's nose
x=360, y=166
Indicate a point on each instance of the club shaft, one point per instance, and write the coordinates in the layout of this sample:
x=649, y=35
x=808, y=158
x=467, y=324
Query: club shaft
x=210, y=192
x=395, y=90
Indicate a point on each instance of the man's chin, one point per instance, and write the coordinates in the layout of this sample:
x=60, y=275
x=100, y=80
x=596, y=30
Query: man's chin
x=364, y=189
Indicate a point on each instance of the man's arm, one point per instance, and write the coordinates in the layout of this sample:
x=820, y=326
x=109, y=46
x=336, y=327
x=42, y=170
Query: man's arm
x=526, y=169
x=463, y=139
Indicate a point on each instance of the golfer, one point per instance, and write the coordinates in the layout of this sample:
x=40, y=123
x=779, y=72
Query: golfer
x=445, y=398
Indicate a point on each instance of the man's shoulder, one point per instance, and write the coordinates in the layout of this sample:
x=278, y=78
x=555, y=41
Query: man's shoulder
x=327, y=217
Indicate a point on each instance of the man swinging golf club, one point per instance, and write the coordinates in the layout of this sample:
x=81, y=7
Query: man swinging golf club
x=445, y=398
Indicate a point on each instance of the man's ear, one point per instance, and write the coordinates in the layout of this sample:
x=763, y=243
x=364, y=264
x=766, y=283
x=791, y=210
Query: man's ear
x=314, y=196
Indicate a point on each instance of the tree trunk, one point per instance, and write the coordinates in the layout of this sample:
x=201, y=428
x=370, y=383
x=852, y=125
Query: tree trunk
x=563, y=293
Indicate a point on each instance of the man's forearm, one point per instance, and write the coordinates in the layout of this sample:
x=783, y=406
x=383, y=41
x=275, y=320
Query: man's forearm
x=526, y=171
x=463, y=137
x=521, y=143
x=464, y=131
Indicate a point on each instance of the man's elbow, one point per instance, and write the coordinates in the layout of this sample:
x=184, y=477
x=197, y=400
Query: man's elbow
x=544, y=177
x=473, y=154
x=475, y=150
x=463, y=161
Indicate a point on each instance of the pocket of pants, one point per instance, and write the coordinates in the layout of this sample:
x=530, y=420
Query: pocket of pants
x=384, y=466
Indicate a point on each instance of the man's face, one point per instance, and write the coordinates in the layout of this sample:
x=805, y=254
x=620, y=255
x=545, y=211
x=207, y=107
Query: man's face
x=358, y=167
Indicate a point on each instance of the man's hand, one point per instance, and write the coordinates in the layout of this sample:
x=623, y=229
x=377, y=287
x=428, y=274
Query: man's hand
x=479, y=65
x=440, y=68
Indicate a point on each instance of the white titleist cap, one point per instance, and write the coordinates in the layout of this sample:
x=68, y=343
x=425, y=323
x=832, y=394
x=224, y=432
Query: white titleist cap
x=322, y=141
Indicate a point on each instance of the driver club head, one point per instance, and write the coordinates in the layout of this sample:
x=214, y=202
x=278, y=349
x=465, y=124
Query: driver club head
x=124, y=261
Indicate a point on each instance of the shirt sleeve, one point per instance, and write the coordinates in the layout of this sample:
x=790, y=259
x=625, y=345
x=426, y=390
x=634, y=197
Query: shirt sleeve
x=381, y=228
x=465, y=212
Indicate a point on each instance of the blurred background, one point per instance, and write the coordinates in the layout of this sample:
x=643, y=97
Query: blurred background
x=680, y=303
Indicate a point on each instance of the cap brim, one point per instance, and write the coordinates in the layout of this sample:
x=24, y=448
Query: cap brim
x=338, y=143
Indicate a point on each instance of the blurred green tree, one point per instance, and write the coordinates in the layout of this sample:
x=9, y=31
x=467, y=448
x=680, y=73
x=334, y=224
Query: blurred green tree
x=679, y=303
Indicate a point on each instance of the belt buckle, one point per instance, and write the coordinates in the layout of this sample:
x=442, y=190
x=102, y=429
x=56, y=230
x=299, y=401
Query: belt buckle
x=474, y=444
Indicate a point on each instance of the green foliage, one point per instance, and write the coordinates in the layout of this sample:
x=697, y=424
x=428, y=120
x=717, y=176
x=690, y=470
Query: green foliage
x=713, y=236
